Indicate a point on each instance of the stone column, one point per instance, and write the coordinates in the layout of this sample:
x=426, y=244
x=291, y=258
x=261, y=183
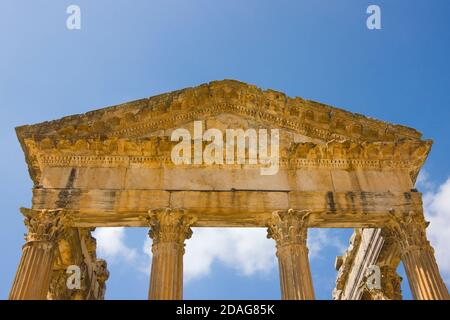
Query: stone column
x=169, y=229
x=391, y=283
x=388, y=262
x=390, y=286
x=418, y=258
x=289, y=230
x=32, y=279
x=101, y=275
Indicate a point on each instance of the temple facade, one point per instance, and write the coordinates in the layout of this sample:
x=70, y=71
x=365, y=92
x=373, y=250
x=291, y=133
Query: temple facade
x=114, y=167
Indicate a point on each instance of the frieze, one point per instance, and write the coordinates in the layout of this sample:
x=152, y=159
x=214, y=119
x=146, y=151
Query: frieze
x=156, y=152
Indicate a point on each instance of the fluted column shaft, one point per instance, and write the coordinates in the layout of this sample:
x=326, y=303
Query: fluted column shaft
x=166, y=281
x=289, y=230
x=423, y=274
x=418, y=258
x=169, y=229
x=33, y=274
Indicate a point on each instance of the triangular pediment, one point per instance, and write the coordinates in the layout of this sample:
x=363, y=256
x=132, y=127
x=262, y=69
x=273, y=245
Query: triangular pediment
x=309, y=130
x=139, y=118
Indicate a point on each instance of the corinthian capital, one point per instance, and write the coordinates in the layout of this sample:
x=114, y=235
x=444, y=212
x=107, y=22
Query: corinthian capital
x=169, y=225
x=409, y=230
x=44, y=225
x=288, y=227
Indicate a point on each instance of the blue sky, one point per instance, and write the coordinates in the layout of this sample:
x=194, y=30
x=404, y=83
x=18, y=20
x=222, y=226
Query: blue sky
x=316, y=49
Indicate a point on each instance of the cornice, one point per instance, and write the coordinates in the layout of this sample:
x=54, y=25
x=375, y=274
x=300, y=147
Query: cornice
x=136, y=120
x=155, y=152
x=142, y=116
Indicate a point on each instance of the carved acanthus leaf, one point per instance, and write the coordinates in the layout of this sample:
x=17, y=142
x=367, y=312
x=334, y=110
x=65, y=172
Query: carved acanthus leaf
x=288, y=227
x=162, y=146
x=347, y=149
x=101, y=271
x=45, y=225
x=409, y=230
x=169, y=225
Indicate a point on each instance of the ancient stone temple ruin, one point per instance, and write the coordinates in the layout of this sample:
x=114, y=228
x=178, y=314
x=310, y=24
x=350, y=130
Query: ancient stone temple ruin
x=113, y=167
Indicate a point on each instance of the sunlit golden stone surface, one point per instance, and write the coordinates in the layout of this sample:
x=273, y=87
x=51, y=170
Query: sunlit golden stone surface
x=112, y=167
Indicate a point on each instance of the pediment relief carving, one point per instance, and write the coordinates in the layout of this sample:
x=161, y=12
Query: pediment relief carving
x=156, y=151
x=158, y=146
x=139, y=118
x=312, y=134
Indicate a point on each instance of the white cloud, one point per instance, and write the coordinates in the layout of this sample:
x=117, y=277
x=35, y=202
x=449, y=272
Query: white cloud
x=319, y=239
x=247, y=251
x=145, y=259
x=437, y=211
x=423, y=181
x=111, y=244
x=147, y=246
